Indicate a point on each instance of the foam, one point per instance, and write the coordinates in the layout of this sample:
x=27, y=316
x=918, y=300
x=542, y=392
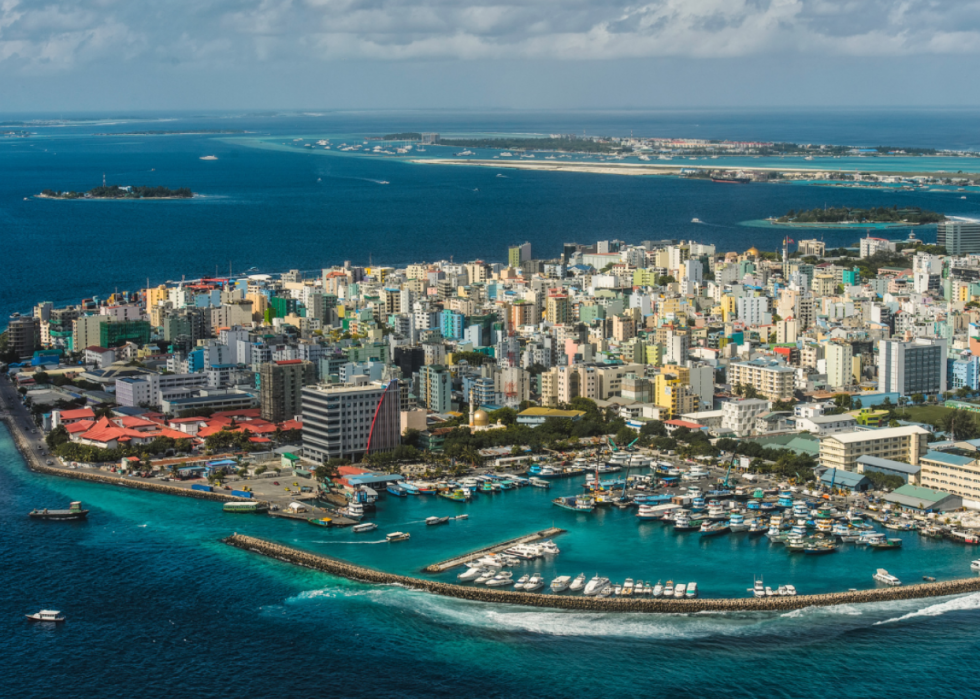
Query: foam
x=956, y=604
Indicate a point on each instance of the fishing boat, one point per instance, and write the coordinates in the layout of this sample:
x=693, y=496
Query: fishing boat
x=886, y=578
x=74, y=511
x=398, y=536
x=883, y=544
x=716, y=512
x=366, y=527
x=714, y=528
x=458, y=494
x=819, y=548
x=432, y=521
x=540, y=483
x=737, y=523
x=46, y=615
x=595, y=586
x=578, y=583
x=870, y=537
x=396, y=490
x=561, y=583
x=320, y=521
x=683, y=523
x=692, y=590
x=575, y=503
x=757, y=528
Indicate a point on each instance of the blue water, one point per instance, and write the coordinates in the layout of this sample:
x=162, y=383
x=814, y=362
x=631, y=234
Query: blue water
x=158, y=607
x=278, y=209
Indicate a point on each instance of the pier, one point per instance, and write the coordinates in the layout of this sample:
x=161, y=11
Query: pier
x=358, y=573
x=494, y=548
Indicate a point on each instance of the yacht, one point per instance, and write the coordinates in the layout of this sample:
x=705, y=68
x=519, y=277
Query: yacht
x=535, y=583
x=561, y=583
x=758, y=589
x=781, y=592
x=617, y=589
x=548, y=547
x=472, y=574
x=578, y=583
x=354, y=510
x=606, y=591
x=886, y=578
x=770, y=592
x=669, y=589
x=975, y=566
x=680, y=589
x=524, y=579
x=790, y=591
x=658, y=590
x=639, y=588
x=504, y=577
x=485, y=577
x=595, y=585
x=692, y=590
x=628, y=586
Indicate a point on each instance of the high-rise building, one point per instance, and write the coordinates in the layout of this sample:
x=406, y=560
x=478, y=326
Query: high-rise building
x=350, y=421
x=114, y=333
x=435, y=388
x=840, y=358
x=281, y=388
x=959, y=236
x=558, y=309
x=913, y=366
x=518, y=254
x=23, y=335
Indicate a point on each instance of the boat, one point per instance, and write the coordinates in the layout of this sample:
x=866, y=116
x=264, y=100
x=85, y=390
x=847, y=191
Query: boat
x=886, y=578
x=522, y=581
x=209, y=157
x=770, y=592
x=396, y=490
x=628, y=587
x=606, y=591
x=758, y=589
x=431, y=521
x=540, y=483
x=485, y=576
x=472, y=574
x=578, y=583
x=74, y=511
x=883, y=544
x=695, y=220
x=535, y=583
x=245, y=507
x=668, y=589
x=561, y=583
x=354, y=510
x=756, y=528
x=975, y=566
x=716, y=512
x=458, y=494
x=819, y=548
x=48, y=615
x=366, y=527
x=680, y=589
x=790, y=591
x=398, y=536
x=692, y=590
x=782, y=591
x=575, y=503
x=595, y=586
x=503, y=577
x=658, y=590
x=617, y=589
x=714, y=528
x=320, y=521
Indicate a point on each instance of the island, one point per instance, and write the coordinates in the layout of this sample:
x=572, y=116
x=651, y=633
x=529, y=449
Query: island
x=115, y=191
x=911, y=216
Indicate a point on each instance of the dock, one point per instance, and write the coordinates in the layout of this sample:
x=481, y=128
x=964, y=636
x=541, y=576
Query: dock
x=335, y=520
x=494, y=548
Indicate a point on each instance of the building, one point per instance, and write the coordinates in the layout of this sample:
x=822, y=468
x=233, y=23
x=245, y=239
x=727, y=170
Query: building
x=152, y=389
x=281, y=388
x=113, y=333
x=533, y=417
x=869, y=246
x=952, y=473
x=840, y=358
x=210, y=399
x=960, y=236
x=558, y=309
x=845, y=480
x=921, y=500
x=350, y=421
x=451, y=324
x=842, y=451
x=740, y=416
x=435, y=388
x=754, y=310
x=826, y=424
x=913, y=366
x=518, y=254
x=772, y=380
x=23, y=335
x=874, y=464
x=813, y=247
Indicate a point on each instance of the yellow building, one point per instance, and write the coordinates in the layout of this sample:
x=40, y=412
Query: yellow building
x=653, y=354
x=673, y=396
x=729, y=305
x=558, y=309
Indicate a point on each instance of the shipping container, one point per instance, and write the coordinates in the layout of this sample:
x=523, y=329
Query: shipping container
x=200, y=486
x=241, y=493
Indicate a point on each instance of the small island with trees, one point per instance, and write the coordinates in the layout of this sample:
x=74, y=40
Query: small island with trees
x=115, y=191
x=908, y=216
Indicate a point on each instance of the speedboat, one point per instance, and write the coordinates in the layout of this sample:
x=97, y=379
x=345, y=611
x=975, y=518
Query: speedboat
x=522, y=581
x=658, y=590
x=790, y=591
x=366, y=527
x=49, y=615
x=769, y=592
x=886, y=578
x=578, y=583
x=504, y=577
x=535, y=583
x=561, y=583
x=639, y=588
x=606, y=591
x=485, y=577
x=975, y=566
x=595, y=586
x=617, y=589
x=680, y=589
x=436, y=520
x=471, y=574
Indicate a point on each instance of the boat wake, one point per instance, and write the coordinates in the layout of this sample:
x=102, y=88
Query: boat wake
x=383, y=541
x=957, y=604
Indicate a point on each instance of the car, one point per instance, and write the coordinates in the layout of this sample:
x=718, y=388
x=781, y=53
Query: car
x=275, y=482
x=49, y=462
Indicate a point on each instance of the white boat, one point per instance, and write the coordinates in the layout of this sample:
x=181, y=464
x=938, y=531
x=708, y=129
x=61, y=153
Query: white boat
x=769, y=592
x=658, y=590
x=595, y=586
x=504, y=577
x=790, y=591
x=886, y=578
x=354, y=510
x=680, y=589
x=782, y=591
x=485, y=576
x=522, y=581
x=617, y=589
x=209, y=157
x=639, y=588
x=578, y=583
x=398, y=536
x=49, y=615
x=472, y=574
x=366, y=527
x=975, y=566
x=758, y=589
x=561, y=583
x=548, y=547
x=695, y=220
x=535, y=583
x=669, y=589
x=606, y=591
x=737, y=523
x=692, y=590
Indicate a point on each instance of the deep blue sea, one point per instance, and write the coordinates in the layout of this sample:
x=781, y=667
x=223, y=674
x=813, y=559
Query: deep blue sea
x=158, y=607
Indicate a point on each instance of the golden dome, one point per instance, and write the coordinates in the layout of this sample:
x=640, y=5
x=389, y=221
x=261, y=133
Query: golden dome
x=481, y=418
x=752, y=251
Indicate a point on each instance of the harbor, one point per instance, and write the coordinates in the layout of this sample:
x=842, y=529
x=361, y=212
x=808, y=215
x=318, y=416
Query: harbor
x=492, y=549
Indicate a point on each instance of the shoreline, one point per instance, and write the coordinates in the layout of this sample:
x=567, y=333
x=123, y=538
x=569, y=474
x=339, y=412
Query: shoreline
x=362, y=574
x=45, y=196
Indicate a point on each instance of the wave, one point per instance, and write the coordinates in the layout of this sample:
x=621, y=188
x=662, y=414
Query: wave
x=969, y=602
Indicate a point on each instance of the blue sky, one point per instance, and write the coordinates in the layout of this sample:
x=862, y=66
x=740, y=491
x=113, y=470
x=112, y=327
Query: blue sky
x=187, y=54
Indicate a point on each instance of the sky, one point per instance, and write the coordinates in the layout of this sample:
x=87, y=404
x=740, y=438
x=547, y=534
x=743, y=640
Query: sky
x=92, y=55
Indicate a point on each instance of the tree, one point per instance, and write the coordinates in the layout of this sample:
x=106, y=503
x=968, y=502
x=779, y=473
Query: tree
x=856, y=404
x=918, y=398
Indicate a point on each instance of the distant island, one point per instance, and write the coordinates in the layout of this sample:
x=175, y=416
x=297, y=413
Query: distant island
x=909, y=216
x=170, y=133
x=115, y=191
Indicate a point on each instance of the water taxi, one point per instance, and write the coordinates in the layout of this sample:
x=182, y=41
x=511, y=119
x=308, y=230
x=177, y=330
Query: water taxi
x=245, y=507
x=398, y=536
x=366, y=527
x=49, y=615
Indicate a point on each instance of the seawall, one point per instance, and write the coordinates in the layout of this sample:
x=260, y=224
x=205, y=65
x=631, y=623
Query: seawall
x=358, y=573
x=35, y=464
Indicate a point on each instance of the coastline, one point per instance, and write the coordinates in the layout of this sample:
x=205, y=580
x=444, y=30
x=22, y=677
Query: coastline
x=358, y=573
x=46, y=196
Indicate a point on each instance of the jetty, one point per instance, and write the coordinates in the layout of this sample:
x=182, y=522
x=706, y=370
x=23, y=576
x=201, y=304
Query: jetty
x=358, y=573
x=494, y=548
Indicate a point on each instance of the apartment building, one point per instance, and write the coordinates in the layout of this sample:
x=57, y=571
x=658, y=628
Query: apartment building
x=906, y=444
x=740, y=416
x=951, y=473
x=350, y=421
x=769, y=378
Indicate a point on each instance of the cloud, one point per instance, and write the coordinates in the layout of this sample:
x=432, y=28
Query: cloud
x=60, y=35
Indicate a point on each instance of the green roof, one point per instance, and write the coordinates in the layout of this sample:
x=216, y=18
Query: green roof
x=920, y=493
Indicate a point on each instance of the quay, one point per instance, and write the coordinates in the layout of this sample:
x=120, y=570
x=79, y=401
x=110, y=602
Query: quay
x=335, y=520
x=358, y=573
x=493, y=548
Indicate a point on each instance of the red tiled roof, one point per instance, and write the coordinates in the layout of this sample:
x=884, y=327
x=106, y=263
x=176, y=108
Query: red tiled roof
x=79, y=413
x=683, y=423
x=80, y=426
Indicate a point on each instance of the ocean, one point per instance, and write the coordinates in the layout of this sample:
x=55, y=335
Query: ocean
x=158, y=607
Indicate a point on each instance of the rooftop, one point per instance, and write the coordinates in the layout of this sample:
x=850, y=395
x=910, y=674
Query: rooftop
x=888, y=463
x=888, y=432
x=948, y=459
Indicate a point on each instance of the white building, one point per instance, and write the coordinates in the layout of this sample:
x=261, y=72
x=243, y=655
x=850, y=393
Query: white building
x=914, y=366
x=739, y=416
x=840, y=360
x=754, y=310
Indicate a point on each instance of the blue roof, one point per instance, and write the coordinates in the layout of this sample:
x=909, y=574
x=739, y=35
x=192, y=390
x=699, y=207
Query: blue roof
x=877, y=462
x=848, y=479
x=944, y=458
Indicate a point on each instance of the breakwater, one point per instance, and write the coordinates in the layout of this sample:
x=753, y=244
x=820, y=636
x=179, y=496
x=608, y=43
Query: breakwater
x=493, y=548
x=358, y=573
x=34, y=463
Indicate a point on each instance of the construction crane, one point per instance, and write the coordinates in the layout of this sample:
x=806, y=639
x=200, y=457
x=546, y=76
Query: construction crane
x=628, y=447
x=726, y=483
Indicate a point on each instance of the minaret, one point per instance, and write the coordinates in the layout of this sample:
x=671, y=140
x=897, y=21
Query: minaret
x=472, y=408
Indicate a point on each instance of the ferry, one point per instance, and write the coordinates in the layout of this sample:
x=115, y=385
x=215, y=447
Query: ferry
x=398, y=536
x=74, y=511
x=396, y=490
x=366, y=527
x=245, y=507
x=48, y=615
x=540, y=483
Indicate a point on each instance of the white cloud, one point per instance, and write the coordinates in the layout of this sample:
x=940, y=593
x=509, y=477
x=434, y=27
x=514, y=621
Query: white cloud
x=46, y=35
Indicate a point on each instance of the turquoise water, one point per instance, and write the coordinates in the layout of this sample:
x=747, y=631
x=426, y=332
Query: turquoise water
x=158, y=607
